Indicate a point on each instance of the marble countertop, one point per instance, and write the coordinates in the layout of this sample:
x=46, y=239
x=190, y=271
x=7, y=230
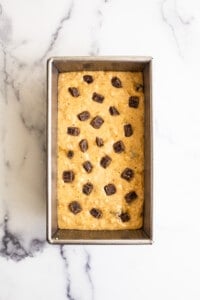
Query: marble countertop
x=30, y=32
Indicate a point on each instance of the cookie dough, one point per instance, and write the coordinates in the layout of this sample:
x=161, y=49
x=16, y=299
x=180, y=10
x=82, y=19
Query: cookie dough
x=100, y=155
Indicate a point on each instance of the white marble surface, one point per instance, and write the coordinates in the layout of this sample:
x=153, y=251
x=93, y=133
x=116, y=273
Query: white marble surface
x=30, y=32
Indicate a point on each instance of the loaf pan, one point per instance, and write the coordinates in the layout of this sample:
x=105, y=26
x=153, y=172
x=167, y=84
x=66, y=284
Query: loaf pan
x=56, y=65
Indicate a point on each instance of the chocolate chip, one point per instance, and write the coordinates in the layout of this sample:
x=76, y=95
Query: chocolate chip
x=83, y=144
x=97, y=122
x=128, y=130
x=116, y=82
x=124, y=217
x=83, y=116
x=75, y=207
x=68, y=176
x=105, y=161
x=130, y=197
x=134, y=101
x=118, y=147
x=127, y=174
x=110, y=189
x=139, y=87
x=96, y=213
x=88, y=78
x=97, y=97
x=70, y=154
x=113, y=111
x=88, y=166
x=73, y=131
x=87, y=188
x=74, y=91
x=99, y=142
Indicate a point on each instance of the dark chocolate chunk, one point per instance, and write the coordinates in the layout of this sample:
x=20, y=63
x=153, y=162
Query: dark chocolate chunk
x=68, y=176
x=134, y=101
x=74, y=91
x=113, y=111
x=110, y=189
x=124, y=217
x=96, y=213
x=83, y=144
x=127, y=174
x=99, y=142
x=97, y=97
x=118, y=147
x=87, y=188
x=75, y=207
x=73, y=131
x=88, y=166
x=139, y=87
x=88, y=78
x=105, y=161
x=116, y=82
x=83, y=116
x=97, y=122
x=130, y=197
x=70, y=154
x=128, y=130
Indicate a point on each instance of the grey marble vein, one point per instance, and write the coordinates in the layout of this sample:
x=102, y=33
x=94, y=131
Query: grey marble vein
x=5, y=26
x=95, y=47
x=170, y=24
x=8, y=80
x=11, y=247
x=184, y=21
x=82, y=259
x=87, y=270
x=68, y=287
x=30, y=127
x=56, y=33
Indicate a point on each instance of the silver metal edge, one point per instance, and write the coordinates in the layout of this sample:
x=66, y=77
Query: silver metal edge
x=49, y=169
x=102, y=242
x=151, y=159
x=151, y=151
x=103, y=58
x=50, y=61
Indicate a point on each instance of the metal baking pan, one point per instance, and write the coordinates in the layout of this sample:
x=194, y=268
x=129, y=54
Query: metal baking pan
x=56, y=65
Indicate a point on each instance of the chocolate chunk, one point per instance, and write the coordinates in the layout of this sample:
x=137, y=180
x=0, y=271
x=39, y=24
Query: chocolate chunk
x=97, y=122
x=68, y=176
x=83, y=144
x=130, y=197
x=113, y=111
x=87, y=188
x=124, y=217
x=139, y=87
x=127, y=174
x=97, y=97
x=128, y=130
x=74, y=91
x=116, y=82
x=105, y=161
x=99, y=142
x=83, y=116
x=73, y=131
x=118, y=147
x=134, y=101
x=88, y=78
x=96, y=213
x=70, y=154
x=110, y=189
x=75, y=207
x=88, y=166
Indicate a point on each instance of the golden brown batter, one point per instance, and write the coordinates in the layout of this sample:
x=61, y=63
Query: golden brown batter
x=100, y=135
